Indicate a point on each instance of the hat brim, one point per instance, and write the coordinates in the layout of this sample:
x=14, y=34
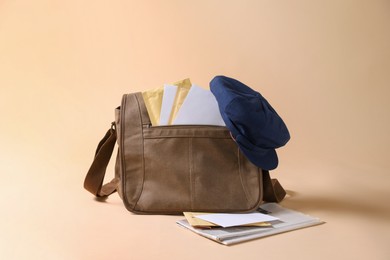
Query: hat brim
x=265, y=159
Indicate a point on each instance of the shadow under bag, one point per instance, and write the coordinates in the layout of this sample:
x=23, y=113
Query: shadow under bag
x=177, y=168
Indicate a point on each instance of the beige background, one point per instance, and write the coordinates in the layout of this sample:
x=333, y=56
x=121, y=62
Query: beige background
x=323, y=65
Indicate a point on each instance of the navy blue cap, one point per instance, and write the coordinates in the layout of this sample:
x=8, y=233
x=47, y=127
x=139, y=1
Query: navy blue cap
x=254, y=124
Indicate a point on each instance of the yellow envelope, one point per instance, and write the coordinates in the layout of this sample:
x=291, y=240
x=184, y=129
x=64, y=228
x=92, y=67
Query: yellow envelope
x=197, y=222
x=183, y=87
x=153, y=99
x=200, y=223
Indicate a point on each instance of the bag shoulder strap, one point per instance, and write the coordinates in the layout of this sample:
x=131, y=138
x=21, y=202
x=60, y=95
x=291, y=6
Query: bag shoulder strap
x=135, y=113
x=273, y=190
x=94, y=179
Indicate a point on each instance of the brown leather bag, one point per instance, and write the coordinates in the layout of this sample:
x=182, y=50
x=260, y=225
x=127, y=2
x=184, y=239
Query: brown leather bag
x=177, y=168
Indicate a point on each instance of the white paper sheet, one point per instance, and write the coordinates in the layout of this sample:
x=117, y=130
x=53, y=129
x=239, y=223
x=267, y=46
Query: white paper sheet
x=167, y=103
x=231, y=220
x=199, y=108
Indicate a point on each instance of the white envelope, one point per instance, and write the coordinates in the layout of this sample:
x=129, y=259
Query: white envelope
x=199, y=108
x=231, y=220
x=167, y=103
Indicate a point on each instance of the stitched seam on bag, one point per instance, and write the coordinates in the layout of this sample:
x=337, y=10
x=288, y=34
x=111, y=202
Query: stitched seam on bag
x=190, y=160
x=122, y=121
x=261, y=186
x=261, y=189
x=240, y=174
x=185, y=136
x=181, y=210
x=194, y=176
x=152, y=133
x=142, y=152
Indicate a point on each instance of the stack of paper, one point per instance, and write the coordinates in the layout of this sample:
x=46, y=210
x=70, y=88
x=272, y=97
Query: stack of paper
x=182, y=103
x=232, y=231
x=174, y=97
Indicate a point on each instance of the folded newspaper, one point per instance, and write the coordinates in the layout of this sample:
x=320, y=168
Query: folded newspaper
x=287, y=220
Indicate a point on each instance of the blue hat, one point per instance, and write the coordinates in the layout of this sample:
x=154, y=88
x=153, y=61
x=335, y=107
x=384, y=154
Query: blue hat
x=254, y=124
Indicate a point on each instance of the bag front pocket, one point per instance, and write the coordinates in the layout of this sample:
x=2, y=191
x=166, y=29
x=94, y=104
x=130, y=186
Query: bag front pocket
x=194, y=168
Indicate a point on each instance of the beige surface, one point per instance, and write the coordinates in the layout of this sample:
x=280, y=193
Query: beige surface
x=324, y=66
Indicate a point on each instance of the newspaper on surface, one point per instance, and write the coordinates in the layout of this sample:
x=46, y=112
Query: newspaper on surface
x=288, y=220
